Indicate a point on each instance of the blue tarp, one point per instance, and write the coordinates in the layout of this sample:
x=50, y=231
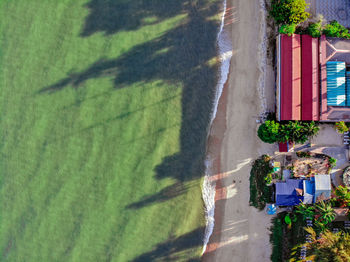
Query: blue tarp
x=286, y=194
x=309, y=191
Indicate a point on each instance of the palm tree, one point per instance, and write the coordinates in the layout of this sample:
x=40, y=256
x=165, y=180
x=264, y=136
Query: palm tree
x=325, y=212
x=305, y=211
x=329, y=246
x=343, y=195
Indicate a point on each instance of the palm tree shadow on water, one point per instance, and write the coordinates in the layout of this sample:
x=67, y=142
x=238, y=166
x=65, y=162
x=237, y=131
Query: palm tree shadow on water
x=180, y=55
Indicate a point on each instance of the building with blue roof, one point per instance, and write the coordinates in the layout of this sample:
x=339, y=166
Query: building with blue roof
x=293, y=191
x=286, y=193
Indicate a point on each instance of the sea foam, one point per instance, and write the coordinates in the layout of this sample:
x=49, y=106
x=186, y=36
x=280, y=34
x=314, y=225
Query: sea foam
x=224, y=46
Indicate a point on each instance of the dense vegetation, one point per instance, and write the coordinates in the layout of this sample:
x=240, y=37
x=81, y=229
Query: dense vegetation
x=276, y=238
x=334, y=29
x=292, y=131
x=260, y=193
x=341, y=127
x=288, y=235
x=290, y=12
x=328, y=246
x=104, y=113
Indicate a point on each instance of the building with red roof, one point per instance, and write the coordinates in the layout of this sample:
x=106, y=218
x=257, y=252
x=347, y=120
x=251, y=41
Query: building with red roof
x=306, y=89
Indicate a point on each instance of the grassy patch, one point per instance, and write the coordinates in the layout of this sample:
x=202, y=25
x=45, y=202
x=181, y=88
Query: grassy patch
x=104, y=113
x=260, y=193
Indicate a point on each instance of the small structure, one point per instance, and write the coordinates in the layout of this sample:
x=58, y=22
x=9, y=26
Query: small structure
x=285, y=147
x=287, y=192
x=308, y=191
x=323, y=187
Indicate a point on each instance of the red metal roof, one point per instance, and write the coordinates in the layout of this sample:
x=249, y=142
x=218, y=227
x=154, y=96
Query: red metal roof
x=309, y=78
x=323, y=60
x=290, y=96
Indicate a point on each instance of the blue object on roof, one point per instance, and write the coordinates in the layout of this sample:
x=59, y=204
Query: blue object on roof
x=271, y=209
x=309, y=191
x=336, y=94
x=286, y=194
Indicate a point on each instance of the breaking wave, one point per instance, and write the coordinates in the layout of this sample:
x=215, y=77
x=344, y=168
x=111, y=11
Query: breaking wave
x=208, y=189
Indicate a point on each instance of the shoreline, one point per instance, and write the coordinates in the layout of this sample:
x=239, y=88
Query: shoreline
x=240, y=232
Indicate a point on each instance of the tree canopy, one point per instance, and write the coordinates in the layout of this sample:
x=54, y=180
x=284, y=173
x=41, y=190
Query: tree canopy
x=293, y=131
x=289, y=11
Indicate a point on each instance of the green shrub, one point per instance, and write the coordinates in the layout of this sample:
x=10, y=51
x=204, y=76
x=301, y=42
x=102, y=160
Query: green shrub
x=287, y=29
x=332, y=162
x=289, y=11
x=314, y=29
x=260, y=193
x=341, y=127
x=334, y=29
x=268, y=132
x=268, y=179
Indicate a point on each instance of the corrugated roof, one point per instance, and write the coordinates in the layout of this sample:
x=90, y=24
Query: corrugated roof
x=290, y=96
x=310, y=92
x=347, y=87
x=323, y=187
x=286, y=194
x=336, y=83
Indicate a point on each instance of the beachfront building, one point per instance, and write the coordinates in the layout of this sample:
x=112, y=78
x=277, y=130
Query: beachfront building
x=293, y=191
x=313, y=78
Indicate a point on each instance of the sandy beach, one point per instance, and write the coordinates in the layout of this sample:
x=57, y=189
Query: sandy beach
x=241, y=232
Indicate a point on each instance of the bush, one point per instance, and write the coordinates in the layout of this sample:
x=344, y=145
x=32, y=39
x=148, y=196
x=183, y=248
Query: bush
x=260, y=193
x=268, y=131
x=314, y=29
x=289, y=11
x=287, y=29
x=334, y=29
x=268, y=179
x=332, y=162
x=341, y=127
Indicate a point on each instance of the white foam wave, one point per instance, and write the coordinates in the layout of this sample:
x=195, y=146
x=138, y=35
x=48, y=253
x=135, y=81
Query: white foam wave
x=208, y=194
x=225, y=54
x=208, y=189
